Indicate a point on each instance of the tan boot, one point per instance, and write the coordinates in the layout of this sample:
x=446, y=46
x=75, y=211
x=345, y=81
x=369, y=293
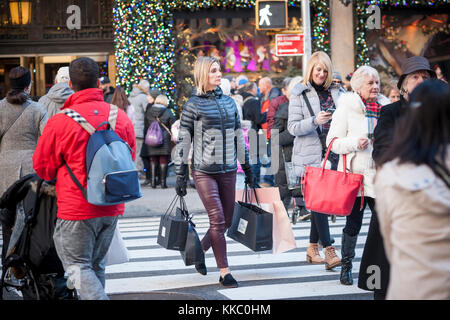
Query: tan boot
x=312, y=254
x=331, y=258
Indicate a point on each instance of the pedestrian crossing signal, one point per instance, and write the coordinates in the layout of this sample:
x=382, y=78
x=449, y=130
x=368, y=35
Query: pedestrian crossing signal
x=271, y=15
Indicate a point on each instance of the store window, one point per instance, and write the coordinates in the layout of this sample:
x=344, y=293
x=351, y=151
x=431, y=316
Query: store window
x=231, y=37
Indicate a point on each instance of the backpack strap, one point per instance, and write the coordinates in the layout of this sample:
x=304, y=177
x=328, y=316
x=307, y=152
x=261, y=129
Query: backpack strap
x=112, y=119
x=79, y=119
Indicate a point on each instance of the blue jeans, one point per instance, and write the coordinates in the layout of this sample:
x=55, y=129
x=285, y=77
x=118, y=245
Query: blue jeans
x=269, y=178
x=82, y=245
x=240, y=181
x=256, y=170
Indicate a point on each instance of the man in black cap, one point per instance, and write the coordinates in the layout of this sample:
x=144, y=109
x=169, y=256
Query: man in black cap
x=108, y=89
x=415, y=70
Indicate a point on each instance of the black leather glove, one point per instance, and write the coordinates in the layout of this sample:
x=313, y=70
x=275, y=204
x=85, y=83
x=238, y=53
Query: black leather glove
x=180, y=186
x=250, y=179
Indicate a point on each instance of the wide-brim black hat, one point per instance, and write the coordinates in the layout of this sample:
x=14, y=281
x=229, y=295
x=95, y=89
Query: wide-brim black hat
x=413, y=64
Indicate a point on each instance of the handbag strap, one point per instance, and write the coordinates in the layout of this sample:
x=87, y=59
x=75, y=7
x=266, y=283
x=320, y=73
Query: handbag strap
x=164, y=126
x=311, y=112
x=25, y=105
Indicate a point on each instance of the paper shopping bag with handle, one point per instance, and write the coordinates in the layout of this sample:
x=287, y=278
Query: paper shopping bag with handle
x=173, y=229
x=251, y=225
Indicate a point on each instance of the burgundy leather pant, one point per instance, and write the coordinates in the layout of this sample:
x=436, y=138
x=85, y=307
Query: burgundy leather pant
x=217, y=192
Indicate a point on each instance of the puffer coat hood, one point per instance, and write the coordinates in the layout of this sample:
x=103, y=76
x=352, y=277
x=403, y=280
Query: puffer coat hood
x=55, y=98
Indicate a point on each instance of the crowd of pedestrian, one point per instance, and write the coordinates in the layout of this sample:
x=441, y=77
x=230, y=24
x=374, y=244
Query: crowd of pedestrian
x=396, y=135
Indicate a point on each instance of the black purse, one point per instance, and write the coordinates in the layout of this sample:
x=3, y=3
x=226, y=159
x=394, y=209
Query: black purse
x=173, y=229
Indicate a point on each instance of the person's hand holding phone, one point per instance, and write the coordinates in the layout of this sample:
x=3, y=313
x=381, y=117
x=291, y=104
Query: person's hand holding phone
x=323, y=117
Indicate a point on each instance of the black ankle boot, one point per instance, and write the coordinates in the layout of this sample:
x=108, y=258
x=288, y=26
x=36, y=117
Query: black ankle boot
x=153, y=167
x=228, y=281
x=348, y=253
x=163, y=170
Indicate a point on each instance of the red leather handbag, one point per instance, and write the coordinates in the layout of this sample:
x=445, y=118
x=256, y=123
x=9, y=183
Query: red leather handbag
x=329, y=191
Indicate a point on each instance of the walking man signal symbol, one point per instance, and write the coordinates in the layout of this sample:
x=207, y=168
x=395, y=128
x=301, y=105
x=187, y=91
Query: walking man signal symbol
x=264, y=15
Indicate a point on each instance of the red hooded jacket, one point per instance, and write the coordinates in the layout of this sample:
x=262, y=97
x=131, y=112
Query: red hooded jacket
x=63, y=138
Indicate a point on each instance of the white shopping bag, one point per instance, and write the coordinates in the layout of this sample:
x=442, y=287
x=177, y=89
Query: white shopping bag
x=117, y=252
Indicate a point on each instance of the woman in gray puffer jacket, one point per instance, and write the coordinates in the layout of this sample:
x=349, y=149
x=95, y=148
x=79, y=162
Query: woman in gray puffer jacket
x=211, y=120
x=308, y=149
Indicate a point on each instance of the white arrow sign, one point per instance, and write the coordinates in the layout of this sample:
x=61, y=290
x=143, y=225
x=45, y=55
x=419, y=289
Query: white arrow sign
x=287, y=50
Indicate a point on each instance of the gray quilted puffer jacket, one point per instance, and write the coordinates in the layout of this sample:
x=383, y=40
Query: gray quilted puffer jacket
x=212, y=123
x=307, y=149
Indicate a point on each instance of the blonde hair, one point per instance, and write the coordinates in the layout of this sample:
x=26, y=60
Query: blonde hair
x=162, y=99
x=201, y=72
x=294, y=81
x=323, y=58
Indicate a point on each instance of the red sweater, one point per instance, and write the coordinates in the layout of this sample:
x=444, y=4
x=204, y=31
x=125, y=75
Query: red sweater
x=63, y=138
x=273, y=108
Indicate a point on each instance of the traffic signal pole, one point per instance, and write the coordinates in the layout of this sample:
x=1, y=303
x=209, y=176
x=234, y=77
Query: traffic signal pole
x=306, y=26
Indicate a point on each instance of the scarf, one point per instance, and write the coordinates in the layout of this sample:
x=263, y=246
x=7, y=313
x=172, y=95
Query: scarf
x=372, y=111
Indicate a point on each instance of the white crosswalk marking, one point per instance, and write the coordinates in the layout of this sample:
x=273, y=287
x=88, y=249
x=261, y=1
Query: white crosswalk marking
x=260, y=275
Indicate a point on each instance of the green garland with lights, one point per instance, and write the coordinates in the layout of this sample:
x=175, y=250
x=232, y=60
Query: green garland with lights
x=144, y=39
x=361, y=16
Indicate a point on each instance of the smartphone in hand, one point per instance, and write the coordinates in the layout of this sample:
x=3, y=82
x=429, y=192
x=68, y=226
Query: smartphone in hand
x=330, y=110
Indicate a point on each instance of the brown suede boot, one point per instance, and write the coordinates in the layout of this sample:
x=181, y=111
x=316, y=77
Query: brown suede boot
x=331, y=258
x=312, y=254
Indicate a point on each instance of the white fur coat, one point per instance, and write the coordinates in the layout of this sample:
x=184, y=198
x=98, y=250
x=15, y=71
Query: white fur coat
x=349, y=124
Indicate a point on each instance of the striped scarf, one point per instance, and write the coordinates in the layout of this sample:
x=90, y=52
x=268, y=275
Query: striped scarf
x=372, y=111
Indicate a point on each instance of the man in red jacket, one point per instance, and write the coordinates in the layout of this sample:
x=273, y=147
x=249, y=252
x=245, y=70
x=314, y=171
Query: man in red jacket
x=83, y=231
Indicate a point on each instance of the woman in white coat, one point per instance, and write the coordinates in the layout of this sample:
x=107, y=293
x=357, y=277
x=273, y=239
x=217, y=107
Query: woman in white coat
x=353, y=123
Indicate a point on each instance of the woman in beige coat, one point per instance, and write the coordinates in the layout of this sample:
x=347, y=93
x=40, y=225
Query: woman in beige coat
x=413, y=197
x=353, y=123
x=21, y=123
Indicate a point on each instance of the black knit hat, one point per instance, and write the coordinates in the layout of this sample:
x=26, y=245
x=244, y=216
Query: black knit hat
x=413, y=64
x=21, y=82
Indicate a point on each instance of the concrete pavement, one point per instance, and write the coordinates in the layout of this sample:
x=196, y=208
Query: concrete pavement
x=154, y=202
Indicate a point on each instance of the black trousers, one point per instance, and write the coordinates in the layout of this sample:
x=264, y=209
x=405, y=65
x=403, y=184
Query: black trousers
x=320, y=229
x=354, y=220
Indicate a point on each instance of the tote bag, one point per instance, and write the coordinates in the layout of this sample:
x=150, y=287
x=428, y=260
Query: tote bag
x=117, y=252
x=193, y=251
x=331, y=192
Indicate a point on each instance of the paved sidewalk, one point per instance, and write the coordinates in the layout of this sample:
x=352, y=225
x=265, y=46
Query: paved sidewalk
x=154, y=202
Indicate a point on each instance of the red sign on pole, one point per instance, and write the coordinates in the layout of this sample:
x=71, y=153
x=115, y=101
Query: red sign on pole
x=289, y=45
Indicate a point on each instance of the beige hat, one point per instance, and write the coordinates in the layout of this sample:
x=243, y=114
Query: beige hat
x=62, y=75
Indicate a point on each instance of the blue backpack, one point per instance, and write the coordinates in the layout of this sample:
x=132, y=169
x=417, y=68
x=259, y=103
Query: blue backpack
x=112, y=177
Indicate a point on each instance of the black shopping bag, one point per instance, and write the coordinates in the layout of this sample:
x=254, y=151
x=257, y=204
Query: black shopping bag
x=251, y=226
x=173, y=229
x=193, y=251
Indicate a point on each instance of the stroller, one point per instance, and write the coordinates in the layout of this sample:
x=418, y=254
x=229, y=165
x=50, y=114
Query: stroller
x=30, y=263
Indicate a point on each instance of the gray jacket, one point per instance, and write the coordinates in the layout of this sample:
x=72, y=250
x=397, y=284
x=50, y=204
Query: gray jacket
x=307, y=147
x=19, y=142
x=55, y=98
x=139, y=101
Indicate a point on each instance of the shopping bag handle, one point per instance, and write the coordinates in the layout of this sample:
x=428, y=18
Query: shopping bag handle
x=344, y=158
x=245, y=197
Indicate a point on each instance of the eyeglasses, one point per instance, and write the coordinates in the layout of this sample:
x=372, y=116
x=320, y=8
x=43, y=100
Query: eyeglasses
x=337, y=81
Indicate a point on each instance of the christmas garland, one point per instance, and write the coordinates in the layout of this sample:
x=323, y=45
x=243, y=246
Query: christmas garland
x=361, y=16
x=144, y=39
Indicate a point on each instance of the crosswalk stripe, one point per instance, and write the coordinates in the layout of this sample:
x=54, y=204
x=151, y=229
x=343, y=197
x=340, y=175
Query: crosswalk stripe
x=291, y=290
x=166, y=282
x=153, y=268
